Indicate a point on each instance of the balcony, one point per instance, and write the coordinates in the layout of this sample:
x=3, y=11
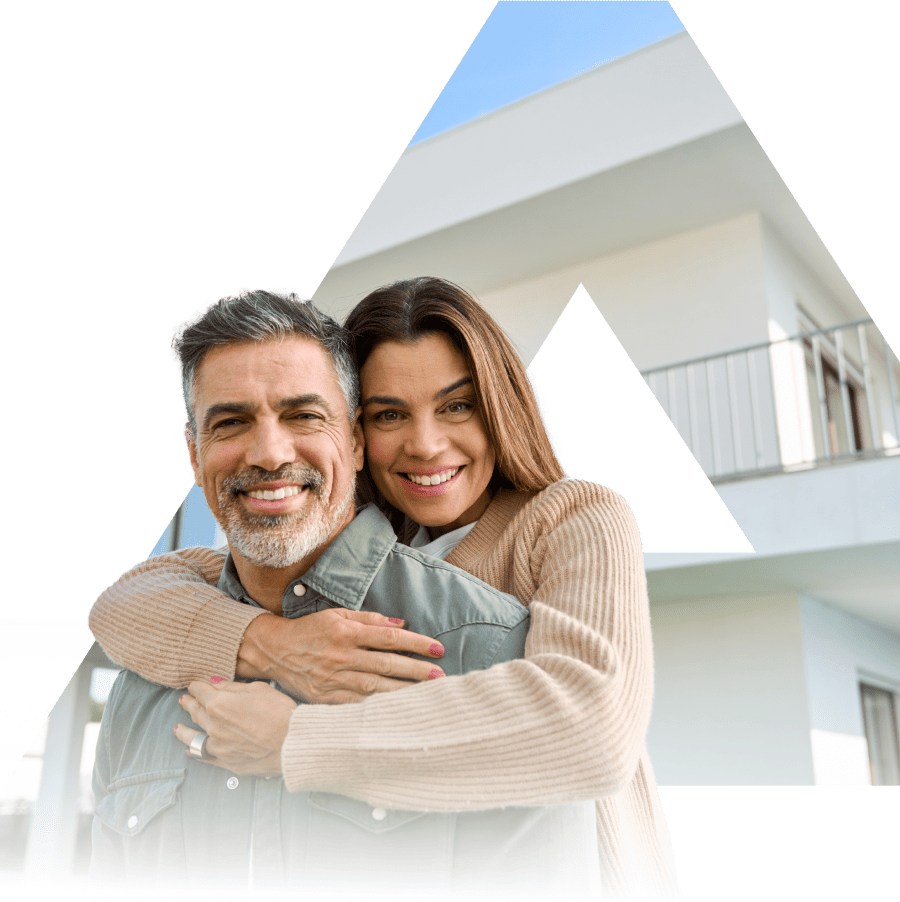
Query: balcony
x=818, y=398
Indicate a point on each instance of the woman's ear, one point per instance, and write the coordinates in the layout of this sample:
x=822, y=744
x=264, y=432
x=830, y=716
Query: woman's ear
x=359, y=441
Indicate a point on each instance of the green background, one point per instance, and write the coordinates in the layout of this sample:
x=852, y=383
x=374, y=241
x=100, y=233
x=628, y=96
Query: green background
x=154, y=157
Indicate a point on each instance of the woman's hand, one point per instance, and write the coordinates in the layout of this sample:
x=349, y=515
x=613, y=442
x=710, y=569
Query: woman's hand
x=336, y=656
x=246, y=722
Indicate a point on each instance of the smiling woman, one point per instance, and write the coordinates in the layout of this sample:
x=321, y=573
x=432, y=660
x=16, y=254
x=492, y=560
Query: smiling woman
x=428, y=452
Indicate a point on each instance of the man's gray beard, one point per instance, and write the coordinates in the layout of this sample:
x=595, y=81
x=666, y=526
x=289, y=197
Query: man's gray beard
x=280, y=540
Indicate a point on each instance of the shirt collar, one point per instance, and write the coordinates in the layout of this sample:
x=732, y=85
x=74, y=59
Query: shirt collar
x=343, y=572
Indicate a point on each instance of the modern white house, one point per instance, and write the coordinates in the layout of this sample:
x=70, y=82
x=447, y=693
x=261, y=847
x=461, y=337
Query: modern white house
x=640, y=180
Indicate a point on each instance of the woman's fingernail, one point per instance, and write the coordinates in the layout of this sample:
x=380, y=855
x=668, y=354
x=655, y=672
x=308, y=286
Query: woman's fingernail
x=180, y=699
x=215, y=680
x=396, y=620
x=436, y=674
x=436, y=649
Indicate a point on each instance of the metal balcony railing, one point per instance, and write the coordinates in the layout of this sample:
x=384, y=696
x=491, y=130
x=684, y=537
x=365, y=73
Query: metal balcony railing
x=819, y=397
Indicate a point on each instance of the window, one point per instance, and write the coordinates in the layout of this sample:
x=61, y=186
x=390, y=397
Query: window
x=836, y=408
x=881, y=712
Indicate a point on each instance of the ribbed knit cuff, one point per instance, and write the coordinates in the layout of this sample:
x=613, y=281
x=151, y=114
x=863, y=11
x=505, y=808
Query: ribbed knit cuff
x=213, y=640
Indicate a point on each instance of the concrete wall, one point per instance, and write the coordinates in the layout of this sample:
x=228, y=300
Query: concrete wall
x=841, y=651
x=829, y=507
x=696, y=293
x=790, y=282
x=730, y=705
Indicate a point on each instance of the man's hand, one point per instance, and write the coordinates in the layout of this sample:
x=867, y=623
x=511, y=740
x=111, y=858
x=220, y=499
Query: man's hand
x=246, y=722
x=335, y=656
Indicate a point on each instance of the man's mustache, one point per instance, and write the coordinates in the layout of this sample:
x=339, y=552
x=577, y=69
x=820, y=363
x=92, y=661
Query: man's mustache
x=253, y=477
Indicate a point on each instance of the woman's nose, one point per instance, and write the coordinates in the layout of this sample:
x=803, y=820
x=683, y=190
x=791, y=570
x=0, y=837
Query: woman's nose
x=425, y=440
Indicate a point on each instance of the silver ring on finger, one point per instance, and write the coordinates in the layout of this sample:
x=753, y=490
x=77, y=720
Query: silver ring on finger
x=197, y=747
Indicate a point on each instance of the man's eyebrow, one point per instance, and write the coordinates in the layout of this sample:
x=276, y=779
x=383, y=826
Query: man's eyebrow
x=311, y=399
x=226, y=407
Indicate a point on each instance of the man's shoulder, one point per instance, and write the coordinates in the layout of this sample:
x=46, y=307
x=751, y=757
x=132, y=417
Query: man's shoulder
x=445, y=592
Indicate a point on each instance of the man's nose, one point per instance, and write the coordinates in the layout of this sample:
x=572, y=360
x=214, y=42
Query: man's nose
x=425, y=440
x=271, y=446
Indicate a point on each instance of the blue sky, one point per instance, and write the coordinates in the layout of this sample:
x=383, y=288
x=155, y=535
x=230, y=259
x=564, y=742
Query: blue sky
x=527, y=46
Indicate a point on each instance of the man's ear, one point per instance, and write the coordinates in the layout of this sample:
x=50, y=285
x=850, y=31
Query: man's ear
x=192, y=450
x=359, y=441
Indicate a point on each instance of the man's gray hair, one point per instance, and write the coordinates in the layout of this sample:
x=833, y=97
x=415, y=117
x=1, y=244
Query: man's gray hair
x=257, y=316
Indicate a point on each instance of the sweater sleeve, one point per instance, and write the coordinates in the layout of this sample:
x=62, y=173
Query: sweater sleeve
x=166, y=621
x=566, y=723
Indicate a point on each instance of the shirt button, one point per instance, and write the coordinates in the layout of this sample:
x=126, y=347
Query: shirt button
x=379, y=814
x=299, y=589
x=132, y=822
x=232, y=782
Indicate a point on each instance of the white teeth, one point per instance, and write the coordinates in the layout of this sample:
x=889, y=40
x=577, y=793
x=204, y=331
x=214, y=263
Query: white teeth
x=437, y=479
x=277, y=495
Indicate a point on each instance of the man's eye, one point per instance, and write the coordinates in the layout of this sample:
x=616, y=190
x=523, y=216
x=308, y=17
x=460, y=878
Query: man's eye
x=226, y=424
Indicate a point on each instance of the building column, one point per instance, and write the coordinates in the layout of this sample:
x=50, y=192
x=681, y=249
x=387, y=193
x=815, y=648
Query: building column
x=54, y=819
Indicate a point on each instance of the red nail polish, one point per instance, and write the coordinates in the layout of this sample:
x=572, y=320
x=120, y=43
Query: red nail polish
x=436, y=674
x=436, y=649
x=216, y=679
x=396, y=620
x=180, y=699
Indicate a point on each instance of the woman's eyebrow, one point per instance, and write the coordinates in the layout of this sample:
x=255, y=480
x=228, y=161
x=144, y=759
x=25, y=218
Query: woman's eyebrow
x=384, y=399
x=466, y=380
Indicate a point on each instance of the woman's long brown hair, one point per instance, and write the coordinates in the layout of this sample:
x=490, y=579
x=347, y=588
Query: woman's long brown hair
x=409, y=310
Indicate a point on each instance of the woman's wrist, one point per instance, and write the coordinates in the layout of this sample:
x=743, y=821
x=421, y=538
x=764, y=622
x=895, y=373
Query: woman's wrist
x=253, y=660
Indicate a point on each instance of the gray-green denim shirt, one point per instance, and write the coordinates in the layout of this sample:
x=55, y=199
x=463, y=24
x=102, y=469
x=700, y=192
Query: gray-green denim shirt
x=162, y=816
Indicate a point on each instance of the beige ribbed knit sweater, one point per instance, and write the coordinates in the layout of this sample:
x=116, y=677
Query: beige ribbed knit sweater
x=565, y=723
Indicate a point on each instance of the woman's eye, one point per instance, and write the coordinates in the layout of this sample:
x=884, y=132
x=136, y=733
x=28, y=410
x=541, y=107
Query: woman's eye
x=460, y=408
x=386, y=417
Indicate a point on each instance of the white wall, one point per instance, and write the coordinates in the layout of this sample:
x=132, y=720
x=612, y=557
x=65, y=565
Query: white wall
x=827, y=507
x=697, y=293
x=730, y=705
x=790, y=282
x=842, y=650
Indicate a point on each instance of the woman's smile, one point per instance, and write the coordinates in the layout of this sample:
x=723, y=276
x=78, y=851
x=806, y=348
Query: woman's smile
x=426, y=445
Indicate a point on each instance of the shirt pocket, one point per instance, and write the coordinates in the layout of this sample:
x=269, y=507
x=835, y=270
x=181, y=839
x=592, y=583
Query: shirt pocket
x=134, y=802
x=137, y=832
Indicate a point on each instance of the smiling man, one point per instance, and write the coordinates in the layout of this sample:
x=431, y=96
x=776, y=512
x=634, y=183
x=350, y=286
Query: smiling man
x=277, y=467
x=272, y=393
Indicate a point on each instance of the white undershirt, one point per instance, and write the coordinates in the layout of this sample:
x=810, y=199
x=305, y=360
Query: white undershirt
x=441, y=546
